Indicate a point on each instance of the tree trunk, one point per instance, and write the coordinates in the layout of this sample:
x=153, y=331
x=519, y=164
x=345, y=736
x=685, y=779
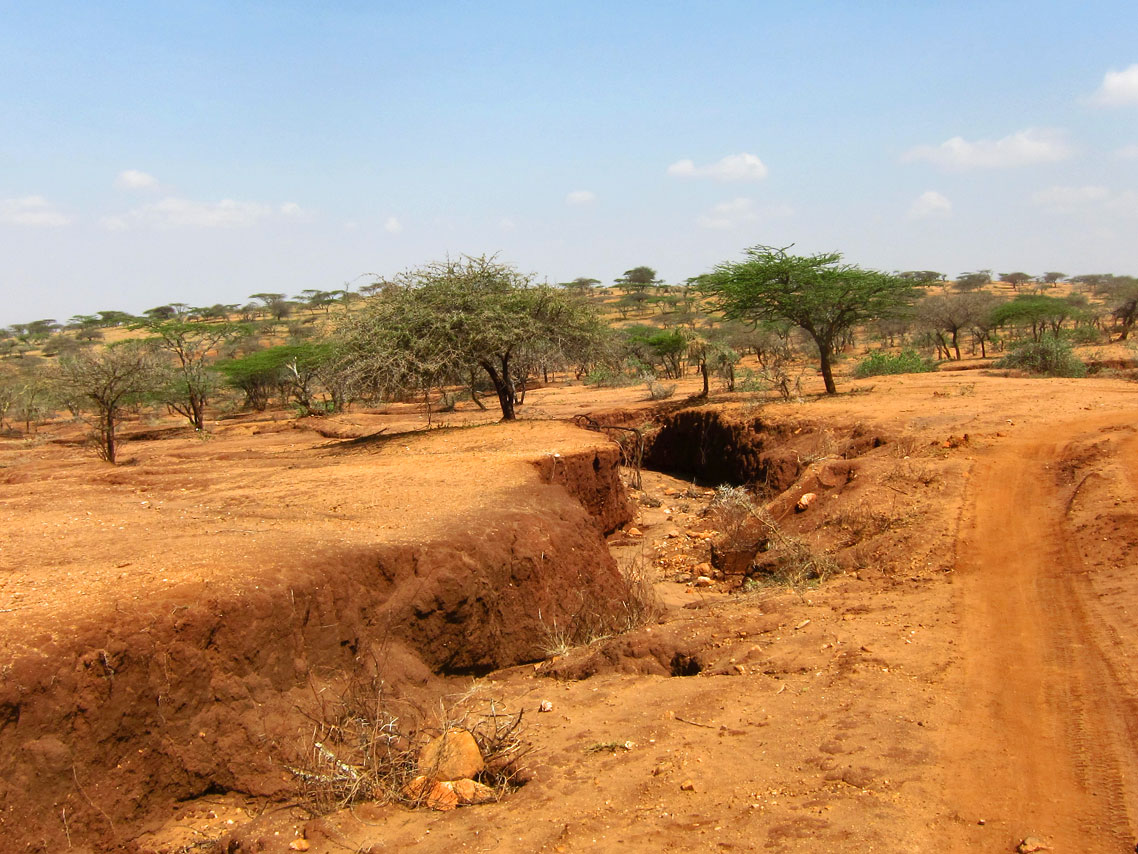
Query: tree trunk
x=956, y=345
x=503, y=386
x=474, y=394
x=824, y=363
x=109, y=448
x=706, y=384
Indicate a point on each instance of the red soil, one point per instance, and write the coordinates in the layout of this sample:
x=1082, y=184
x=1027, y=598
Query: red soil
x=967, y=682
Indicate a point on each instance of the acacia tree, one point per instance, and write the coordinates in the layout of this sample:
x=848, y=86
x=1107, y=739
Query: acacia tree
x=817, y=293
x=441, y=320
x=191, y=382
x=953, y=313
x=637, y=280
x=107, y=382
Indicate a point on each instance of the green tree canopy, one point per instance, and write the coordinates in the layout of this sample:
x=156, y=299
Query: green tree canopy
x=817, y=293
x=441, y=320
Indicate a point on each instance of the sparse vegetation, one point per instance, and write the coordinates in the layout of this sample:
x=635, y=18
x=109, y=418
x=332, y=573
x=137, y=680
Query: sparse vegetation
x=880, y=363
x=1049, y=356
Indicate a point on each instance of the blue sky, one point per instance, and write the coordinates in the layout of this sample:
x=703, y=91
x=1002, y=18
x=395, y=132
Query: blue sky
x=201, y=152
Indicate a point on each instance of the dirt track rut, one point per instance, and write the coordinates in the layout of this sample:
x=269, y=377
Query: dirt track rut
x=1045, y=743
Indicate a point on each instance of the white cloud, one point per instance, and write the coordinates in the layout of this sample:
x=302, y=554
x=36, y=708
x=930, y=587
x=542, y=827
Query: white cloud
x=507, y=224
x=175, y=212
x=1088, y=199
x=33, y=211
x=581, y=197
x=1118, y=88
x=292, y=209
x=930, y=203
x=1127, y=152
x=1022, y=148
x=733, y=167
x=1125, y=203
x=738, y=212
x=114, y=223
x=132, y=179
x=1069, y=199
x=390, y=225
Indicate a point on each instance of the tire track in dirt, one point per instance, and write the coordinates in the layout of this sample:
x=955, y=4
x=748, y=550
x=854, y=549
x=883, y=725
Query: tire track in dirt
x=1043, y=744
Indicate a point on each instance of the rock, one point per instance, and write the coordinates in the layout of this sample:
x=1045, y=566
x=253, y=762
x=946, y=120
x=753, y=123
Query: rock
x=672, y=534
x=545, y=706
x=687, y=786
x=702, y=568
x=454, y=755
x=634, y=532
x=702, y=581
x=471, y=792
x=805, y=501
x=299, y=845
x=670, y=491
x=1031, y=843
x=431, y=793
x=683, y=577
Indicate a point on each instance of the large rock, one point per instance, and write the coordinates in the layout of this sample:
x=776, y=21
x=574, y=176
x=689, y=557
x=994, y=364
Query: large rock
x=454, y=755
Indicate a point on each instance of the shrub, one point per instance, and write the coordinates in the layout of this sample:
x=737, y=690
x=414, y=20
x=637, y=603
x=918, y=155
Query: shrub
x=1084, y=335
x=905, y=362
x=1048, y=357
x=658, y=390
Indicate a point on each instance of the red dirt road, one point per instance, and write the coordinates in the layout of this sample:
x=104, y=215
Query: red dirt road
x=1048, y=728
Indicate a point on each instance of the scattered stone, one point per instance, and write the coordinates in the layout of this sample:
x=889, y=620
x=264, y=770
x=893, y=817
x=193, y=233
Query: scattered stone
x=702, y=568
x=702, y=581
x=672, y=534
x=670, y=491
x=683, y=577
x=1031, y=843
x=452, y=756
x=471, y=791
x=299, y=845
x=432, y=793
x=687, y=786
x=545, y=706
x=740, y=669
x=634, y=532
x=803, y=624
x=805, y=501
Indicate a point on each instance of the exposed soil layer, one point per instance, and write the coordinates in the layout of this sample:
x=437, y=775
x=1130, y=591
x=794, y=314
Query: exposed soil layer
x=717, y=447
x=152, y=689
x=963, y=683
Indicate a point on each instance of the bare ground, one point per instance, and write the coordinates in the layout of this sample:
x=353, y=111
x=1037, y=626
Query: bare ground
x=967, y=682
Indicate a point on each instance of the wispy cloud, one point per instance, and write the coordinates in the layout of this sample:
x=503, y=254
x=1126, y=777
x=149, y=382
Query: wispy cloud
x=32, y=211
x=133, y=179
x=733, y=167
x=1081, y=200
x=929, y=204
x=1127, y=152
x=391, y=225
x=581, y=197
x=1023, y=148
x=1118, y=88
x=739, y=212
x=176, y=212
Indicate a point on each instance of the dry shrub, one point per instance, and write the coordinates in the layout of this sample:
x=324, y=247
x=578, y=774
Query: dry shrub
x=595, y=618
x=906, y=445
x=910, y=473
x=789, y=561
x=359, y=749
x=864, y=520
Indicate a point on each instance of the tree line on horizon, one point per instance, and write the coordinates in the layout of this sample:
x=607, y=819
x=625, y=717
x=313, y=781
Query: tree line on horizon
x=476, y=327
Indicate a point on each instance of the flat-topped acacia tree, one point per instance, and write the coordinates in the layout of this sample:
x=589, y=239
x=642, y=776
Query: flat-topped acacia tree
x=436, y=323
x=817, y=293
